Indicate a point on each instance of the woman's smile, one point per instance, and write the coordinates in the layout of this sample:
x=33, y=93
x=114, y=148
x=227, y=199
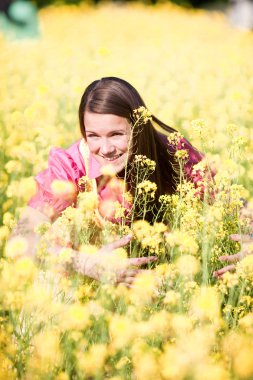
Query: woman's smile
x=113, y=158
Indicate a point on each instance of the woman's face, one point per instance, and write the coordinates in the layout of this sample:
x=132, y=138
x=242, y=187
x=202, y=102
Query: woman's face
x=108, y=138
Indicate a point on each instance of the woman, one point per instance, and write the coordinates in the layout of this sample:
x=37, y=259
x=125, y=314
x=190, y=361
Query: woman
x=107, y=119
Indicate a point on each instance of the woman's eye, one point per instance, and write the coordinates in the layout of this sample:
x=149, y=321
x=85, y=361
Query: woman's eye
x=90, y=136
x=117, y=134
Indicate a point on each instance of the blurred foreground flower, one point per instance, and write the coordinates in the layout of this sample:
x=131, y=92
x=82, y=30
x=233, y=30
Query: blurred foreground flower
x=64, y=189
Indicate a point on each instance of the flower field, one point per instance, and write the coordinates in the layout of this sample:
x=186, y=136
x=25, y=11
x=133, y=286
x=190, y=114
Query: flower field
x=177, y=321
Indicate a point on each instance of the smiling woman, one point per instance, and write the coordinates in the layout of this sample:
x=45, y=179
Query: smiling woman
x=107, y=117
x=111, y=135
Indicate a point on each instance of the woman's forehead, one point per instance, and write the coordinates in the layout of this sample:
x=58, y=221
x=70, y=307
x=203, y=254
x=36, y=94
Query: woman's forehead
x=94, y=121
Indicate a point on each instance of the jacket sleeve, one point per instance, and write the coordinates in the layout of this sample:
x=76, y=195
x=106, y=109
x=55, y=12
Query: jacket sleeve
x=61, y=166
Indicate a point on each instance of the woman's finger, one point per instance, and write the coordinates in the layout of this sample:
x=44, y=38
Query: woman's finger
x=218, y=273
x=138, y=261
x=127, y=280
x=126, y=284
x=123, y=274
x=133, y=272
x=232, y=258
x=241, y=238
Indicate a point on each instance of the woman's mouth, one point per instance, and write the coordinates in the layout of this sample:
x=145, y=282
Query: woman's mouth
x=113, y=158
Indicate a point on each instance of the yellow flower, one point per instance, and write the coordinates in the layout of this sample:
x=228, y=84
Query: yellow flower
x=144, y=288
x=146, y=366
x=142, y=115
x=16, y=276
x=91, y=363
x=147, y=188
x=108, y=170
x=239, y=349
x=87, y=201
x=144, y=162
x=4, y=234
x=122, y=331
x=6, y=369
x=65, y=189
x=46, y=353
x=62, y=376
x=172, y=298
x=39, y=299
x=245, y=267
x=173, y=365
x=158, y=324
x=8, y=219
x=150, y=237
x=181, y=324
x=141, y=228
x=121, y=253
x=246, y=323
x=205, y=304
x=23, y=189
x=199, y=126
x=7, y=204
x=75, y=317
x=159, y=228
x=187, y=265
x=182, y=154
x=211, y=371
x=183, y=241
x=16, y=247
x=230, y=279
x=175, y=138
x=25, y=269
x=65, y=255
x=13, y=166
x=122, y=362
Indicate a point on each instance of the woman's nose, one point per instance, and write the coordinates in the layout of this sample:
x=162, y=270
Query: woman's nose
x=106, y=147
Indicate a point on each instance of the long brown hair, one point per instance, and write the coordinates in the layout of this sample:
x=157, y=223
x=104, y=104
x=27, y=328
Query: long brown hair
x=112, y=95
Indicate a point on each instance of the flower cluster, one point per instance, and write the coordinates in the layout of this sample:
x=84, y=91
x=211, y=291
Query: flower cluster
x=142, y=115
x=143, y=161
x=147, y=187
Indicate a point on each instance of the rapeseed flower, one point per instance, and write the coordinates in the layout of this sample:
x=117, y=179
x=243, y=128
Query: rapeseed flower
x=183, y=241
x=187, y=265
x=74, y=317
x=63, y=189
x=245, y=267
x=205, y=304
x=143, y=289
x=92, y=362
x=46, y=356
x=122, y=331
x=16, y=247
x=142, y=115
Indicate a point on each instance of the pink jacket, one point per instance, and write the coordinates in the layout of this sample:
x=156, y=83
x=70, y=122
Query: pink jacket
x=68, y=165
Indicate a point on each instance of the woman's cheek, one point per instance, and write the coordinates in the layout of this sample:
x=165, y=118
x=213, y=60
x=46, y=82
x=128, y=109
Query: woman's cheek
x=93, y=145
x=124, y=145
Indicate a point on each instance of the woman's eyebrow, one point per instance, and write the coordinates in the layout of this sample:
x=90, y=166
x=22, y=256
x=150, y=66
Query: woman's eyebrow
x=113, y=131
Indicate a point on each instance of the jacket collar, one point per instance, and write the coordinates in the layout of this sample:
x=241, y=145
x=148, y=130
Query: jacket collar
x=92, y=167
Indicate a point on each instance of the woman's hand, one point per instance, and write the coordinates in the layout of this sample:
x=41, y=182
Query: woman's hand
x=246, y=249
x=105, y=266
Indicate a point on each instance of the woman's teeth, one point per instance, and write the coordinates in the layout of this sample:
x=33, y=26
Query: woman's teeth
x=112, y=158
